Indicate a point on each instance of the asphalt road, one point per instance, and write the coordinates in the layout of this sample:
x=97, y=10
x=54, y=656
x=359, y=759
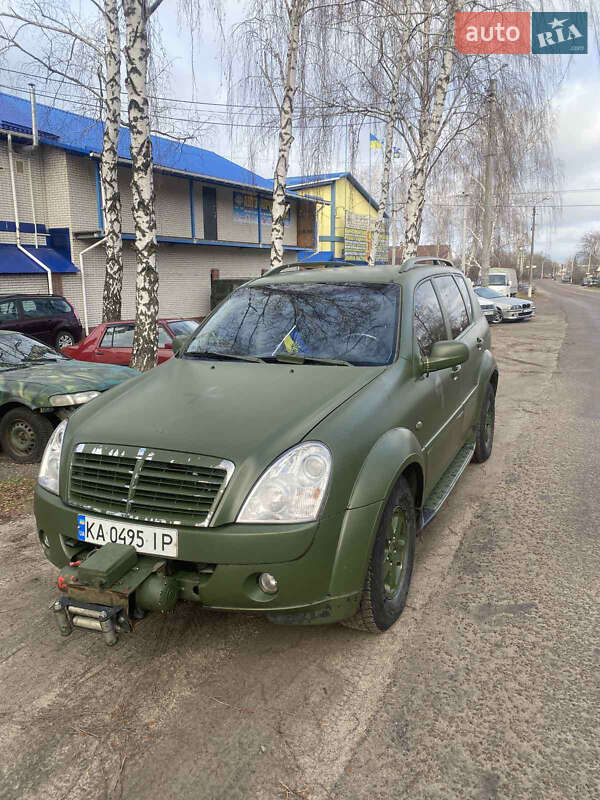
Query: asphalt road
x=488, y=687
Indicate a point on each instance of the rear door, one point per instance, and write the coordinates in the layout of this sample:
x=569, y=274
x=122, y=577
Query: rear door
x=462, y=380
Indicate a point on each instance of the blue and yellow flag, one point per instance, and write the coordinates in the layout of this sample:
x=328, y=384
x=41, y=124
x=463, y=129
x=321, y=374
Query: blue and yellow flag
x=374, y=142
x=293, y=342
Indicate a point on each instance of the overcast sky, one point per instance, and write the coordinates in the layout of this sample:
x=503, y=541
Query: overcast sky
x=576, y=137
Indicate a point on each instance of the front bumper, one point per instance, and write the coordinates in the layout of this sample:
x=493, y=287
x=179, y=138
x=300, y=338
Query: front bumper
x=219, y=567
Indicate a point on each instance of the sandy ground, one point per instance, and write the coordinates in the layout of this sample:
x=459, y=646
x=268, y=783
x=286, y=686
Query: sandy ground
x=462, y=698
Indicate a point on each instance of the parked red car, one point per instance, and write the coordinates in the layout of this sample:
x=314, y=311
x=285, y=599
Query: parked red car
x=111, y=342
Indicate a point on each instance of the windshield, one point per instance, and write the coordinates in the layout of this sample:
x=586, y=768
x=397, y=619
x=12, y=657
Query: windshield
x=351, y=322
x=18, y=350
x=483, y=291
x=497, y=280
x=183, y=327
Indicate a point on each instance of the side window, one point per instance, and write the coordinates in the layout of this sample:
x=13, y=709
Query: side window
x=453, y=304
x=465, y=296
x=8, y=311
x=107, y=339
x=428, y=322
x=122, y=336
x=60, y=306
x=163, y=337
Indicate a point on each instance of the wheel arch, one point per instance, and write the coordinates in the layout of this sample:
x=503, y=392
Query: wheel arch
x=397, y=454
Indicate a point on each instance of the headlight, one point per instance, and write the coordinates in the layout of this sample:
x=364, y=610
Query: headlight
x=77, y=399
x=50, y=467
x=293, y=487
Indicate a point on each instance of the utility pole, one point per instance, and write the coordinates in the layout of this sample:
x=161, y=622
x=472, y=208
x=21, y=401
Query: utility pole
x=464, y=234
x=530, y=289
x=489, y=186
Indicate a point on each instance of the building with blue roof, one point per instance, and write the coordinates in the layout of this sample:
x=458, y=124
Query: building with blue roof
x=213, y=216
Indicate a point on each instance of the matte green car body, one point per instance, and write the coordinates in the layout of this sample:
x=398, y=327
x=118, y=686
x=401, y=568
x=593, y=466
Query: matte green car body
x=379, y=423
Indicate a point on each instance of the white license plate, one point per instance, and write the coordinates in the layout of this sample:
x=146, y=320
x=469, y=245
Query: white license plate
x=145, y=538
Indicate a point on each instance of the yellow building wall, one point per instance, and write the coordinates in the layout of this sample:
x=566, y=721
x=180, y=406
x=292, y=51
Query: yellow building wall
x=344, y=197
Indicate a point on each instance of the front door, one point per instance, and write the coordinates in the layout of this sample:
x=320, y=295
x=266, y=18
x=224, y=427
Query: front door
x=116, y=344
x=433, y=409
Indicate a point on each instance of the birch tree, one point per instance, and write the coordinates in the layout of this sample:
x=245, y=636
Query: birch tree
x=74, y=48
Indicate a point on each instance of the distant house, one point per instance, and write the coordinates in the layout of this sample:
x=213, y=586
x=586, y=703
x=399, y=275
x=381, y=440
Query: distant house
x=424, y=250
x=346, y=216
x=212, y=214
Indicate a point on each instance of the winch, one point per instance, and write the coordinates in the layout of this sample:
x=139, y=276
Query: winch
x=111, y=590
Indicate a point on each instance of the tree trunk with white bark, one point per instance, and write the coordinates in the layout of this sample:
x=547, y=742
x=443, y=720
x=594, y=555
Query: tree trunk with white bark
x=280, y=206
x=111, y=206
x=429, y=134
x=142, y=186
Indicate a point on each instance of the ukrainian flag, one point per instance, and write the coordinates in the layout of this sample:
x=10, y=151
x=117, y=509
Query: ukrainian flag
x=293, y=342
x=374, y=142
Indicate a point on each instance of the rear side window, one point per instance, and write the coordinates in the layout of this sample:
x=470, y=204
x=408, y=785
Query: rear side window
x=429, y=325
x=8, y=311
x=60, y=306
x=40, y=307
x=453, y=304
x=465, y=296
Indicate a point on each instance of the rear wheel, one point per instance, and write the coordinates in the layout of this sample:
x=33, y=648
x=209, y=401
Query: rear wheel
x=391, y=564
x=64, y=339
x=24, y=435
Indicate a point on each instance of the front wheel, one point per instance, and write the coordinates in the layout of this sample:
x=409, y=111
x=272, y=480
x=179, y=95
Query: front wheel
x=497, y=316
x=485, y=430
x=24, y=435
x=391, y=564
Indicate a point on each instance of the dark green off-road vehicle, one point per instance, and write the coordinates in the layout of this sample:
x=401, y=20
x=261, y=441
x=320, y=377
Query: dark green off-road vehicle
x=283, y=462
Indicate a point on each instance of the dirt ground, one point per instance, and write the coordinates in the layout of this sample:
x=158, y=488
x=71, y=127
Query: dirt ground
x=16, y=488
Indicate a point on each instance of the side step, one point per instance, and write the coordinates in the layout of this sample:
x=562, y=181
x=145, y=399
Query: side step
x=447, y=482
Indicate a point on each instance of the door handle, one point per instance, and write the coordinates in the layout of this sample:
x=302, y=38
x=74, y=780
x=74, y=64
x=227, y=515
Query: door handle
x=479, y=343
x=455, y=371
x=100, y=352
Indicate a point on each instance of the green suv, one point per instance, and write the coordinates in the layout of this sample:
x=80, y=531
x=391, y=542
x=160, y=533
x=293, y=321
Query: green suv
x=283, y=462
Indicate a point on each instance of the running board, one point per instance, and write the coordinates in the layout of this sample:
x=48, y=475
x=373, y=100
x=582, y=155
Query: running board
x=447, y=482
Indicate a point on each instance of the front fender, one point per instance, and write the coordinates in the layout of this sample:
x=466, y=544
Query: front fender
x=388, y=458
x=487, y=371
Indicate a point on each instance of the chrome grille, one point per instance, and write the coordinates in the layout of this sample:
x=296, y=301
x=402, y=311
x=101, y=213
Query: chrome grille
x=142, y=484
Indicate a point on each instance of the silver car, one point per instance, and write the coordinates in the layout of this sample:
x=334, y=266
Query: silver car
x=506, y=308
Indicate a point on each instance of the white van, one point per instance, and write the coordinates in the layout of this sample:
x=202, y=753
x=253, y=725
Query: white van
x=504, y=281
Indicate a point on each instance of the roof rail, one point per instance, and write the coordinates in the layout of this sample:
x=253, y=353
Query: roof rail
x=306, y=265
x=411, y=263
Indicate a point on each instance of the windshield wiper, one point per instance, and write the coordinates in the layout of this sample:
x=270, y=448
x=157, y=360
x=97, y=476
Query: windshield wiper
x=213, y=354
x=42, y=360
x=298, y=358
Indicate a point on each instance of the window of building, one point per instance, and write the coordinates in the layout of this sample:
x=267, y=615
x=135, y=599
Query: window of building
x=453, y=304
x=429, y=322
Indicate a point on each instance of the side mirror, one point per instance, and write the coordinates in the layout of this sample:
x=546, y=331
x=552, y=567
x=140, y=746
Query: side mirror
x=444, y=355
x=178, y=344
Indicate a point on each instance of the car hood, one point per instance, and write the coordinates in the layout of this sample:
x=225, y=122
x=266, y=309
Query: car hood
x=232, y=410
x=62, y=377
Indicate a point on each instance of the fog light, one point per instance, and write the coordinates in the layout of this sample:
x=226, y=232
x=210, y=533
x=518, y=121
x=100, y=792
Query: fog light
x=267, y=583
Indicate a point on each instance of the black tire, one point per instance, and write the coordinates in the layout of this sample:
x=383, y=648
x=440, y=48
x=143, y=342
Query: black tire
x=485, y=430
x=24, y=434
x=497, y=317
x=63, y=339
x=381, y=604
